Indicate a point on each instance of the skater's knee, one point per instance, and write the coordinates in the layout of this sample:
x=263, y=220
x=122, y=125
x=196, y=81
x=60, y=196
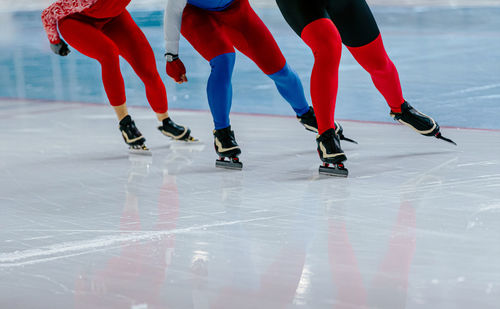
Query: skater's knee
x=284, y=73
x=322, y=37
x=384, y=65
x=109, y=56
x=375, y=63
x=379, y=65
x=223, y=65
x=286, y=76
x=149, y=75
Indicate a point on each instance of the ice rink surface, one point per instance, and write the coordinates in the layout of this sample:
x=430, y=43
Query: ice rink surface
x=85, y=225
x=415, y=225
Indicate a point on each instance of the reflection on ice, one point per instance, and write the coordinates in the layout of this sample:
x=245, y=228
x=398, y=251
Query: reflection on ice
x=92, y=225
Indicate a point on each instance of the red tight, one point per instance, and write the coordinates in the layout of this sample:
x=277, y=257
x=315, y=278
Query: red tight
x=327, y=50
x=374, y=59
x=105, y=40
x=325, y=42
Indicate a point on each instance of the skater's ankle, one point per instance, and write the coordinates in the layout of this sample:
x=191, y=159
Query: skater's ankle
x=398, y=109
x=162, y=116
x=321, y=132
x=125, y=120
x=305, y=111
x=166, y=122
x=220, y=128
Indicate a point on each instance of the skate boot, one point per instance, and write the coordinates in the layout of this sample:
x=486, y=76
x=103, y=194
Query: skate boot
x=226, y=147
x=175, y=131
x=330, y=153
x=419, y=122
x=308, y=120
x=133, y=137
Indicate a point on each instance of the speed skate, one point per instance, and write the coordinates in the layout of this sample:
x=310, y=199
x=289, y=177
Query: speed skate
x=336, y=170
x=226, y=147
x=142, y=150
x=232, y=163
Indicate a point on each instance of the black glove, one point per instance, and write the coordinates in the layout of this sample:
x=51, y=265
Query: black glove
x=61, y=48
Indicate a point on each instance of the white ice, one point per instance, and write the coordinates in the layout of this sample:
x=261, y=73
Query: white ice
x=85, y=225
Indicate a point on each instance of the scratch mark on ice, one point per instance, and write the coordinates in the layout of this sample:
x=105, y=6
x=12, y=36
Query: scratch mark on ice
x=68, y=249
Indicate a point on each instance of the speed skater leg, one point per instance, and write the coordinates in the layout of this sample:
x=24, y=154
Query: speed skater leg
x=324, y=40
x=361, y=35
x=250, y=35
x=311, y=22
x=198, y=27
x=290, y=87
x=220, y=90
x=374, y=59
x=92, y=42
x=135, y=48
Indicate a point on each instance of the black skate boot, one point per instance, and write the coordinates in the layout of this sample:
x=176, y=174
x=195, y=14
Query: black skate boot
x=308, y=120
x=133, y=137
x=175, y=131
x=419, y=122
x=226, y=147
x=330, y=153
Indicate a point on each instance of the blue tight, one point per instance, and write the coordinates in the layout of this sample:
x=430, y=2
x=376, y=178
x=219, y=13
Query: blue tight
x=220, y=90
x=290, y=87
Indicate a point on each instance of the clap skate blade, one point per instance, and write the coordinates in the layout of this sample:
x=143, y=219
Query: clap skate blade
x=189, y=139
x=343, y=138
x=439, y=136
x=140, y=150
x=232, y=163
x=336, y=170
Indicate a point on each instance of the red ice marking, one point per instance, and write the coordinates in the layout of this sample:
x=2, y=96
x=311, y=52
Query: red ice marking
x=38, y=111
x=42, y=101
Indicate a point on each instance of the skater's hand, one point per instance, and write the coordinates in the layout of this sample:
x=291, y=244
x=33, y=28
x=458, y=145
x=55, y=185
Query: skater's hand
x=60, y=48
x=175, y=69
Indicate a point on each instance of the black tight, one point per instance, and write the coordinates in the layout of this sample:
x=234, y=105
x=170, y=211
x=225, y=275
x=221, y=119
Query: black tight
x=353, y=18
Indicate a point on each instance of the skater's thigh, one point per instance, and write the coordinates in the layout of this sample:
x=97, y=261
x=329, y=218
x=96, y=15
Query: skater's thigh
x=249, y=35
x=203, y=32
x=87, y=39
x=131, y=42
x=300, y=13
x=354, y=20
